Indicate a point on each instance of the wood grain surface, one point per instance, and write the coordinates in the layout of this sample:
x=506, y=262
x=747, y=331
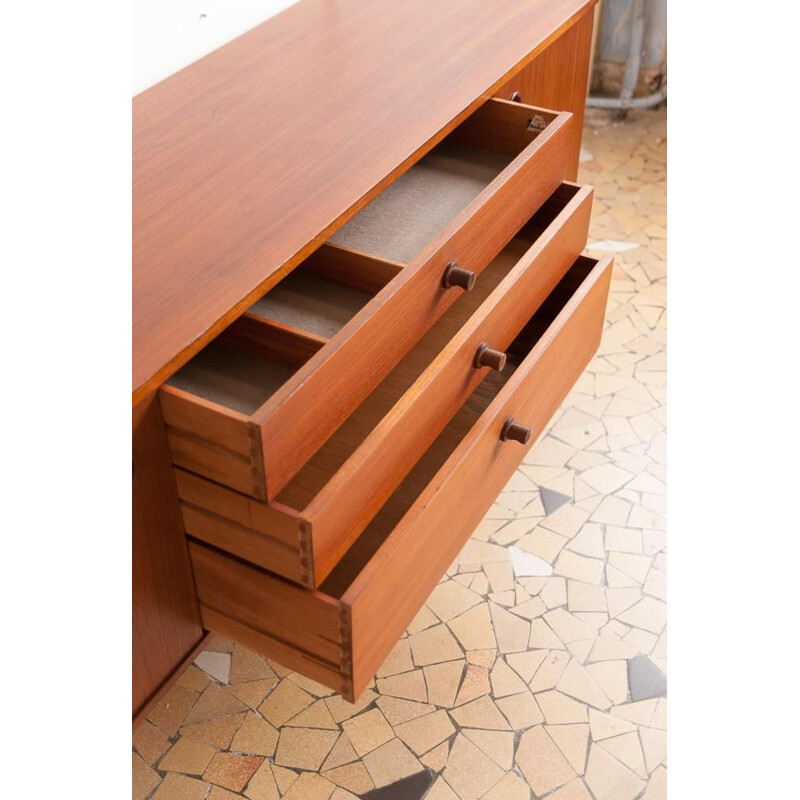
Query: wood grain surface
x=166, y=620
x=355, y=493
x=302, y=414
x=336, y=494
x=246, y=160
x=357, y=617
x=304, y=410
x=407, y=566
x=559, y=78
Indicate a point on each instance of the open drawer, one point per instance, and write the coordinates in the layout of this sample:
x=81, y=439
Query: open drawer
x=304, y=532
x=251, y=409
x=341, y=633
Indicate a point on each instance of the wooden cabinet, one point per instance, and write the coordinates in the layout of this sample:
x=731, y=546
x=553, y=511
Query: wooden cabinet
x=340, y=634
x=350, y=366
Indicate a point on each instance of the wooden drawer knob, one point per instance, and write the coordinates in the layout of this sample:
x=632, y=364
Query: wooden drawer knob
x=486, y=357
x=455, y=276
x=516, y=97
x=514, y=431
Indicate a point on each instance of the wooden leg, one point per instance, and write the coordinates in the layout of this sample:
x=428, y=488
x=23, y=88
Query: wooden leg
x=558, y=79
x=166, y=619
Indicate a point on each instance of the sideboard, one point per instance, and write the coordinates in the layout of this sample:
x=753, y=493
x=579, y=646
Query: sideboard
x=358, y=298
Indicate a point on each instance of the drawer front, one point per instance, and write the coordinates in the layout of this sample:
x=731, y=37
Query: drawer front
x=316, y=382
x=304, y=536
x=350, y=500
x=305, y=411
x=353, y=631
x=409, y=564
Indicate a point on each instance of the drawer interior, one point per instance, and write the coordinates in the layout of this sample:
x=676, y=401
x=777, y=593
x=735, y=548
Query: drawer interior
x=251, y=360
x=256, y=355
x=421, y=475
x=311, y=303
x=328, y=460
x=269, y=392
x=234, y=378
x=244, y=366
x=410, y=213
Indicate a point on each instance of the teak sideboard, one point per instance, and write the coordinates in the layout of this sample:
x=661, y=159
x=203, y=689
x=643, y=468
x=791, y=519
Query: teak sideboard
x=358, y=298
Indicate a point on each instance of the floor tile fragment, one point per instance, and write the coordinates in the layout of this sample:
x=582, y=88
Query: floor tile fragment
x=217, y=732
x=572, y=741
x=609, y=779
x=391, y=762
x=231, y=771
x=521, y=710
x=188, y=756
x=353, y=777
x=645, y=679
x=627, y=749
x=498, y=745
x=367, y=731
x=309, y=786
x=437, y=758
x=149, y=742
x=443, y=681
x=469, y=771
x=304, y=748
x=406, y=685
x=553, y=500
x=145, y=778
x=262, y=786
x=215, y=702
x=474, y=629
x=480, y=713
x=171, y=710
x=181, y=787
x=255, y=737
x=541, y=762
x=217, y=665
x=424, y=733
x=433, y=646
x=558, y=709
x=413, y=787
x=286, y=701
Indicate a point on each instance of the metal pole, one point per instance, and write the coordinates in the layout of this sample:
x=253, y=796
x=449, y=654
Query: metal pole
x=633, y=64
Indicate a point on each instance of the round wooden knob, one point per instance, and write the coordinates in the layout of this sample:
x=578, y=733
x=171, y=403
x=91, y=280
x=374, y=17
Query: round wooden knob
x=486, y=357
x=455, y=276
x=516, y=97
x=515, y=431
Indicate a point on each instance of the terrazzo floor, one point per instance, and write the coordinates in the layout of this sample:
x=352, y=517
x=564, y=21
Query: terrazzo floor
x=538, y=666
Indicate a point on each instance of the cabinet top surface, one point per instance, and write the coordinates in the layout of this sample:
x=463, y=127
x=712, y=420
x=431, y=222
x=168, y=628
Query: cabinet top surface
x=246, y=160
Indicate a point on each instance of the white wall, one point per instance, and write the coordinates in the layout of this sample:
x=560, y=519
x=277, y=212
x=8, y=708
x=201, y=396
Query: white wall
x=169, y=34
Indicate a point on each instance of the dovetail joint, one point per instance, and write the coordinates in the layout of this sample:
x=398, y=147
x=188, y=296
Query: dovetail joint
x=346, y=650
x=306, y=553
x=257, y=463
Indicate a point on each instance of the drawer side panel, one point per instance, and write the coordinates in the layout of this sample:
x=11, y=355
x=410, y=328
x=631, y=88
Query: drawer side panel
x=298, y=618
x=261, y=643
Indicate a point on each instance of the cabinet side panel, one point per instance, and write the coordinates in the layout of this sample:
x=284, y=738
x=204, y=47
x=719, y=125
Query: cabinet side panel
x=166, y=619
x=558, y=78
